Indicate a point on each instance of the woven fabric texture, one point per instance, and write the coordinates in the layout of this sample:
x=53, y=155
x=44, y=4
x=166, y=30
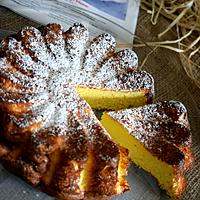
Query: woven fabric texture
x=171, y=83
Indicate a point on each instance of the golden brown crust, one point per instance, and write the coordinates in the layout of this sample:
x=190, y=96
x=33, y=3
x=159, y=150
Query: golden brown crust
x=14, y=133
x=32, y=162
x=17, y=108
x=163, y=128
x=13, y=161
x=48, y=131
x=179, y=182
x=106, y=155
x=188, y=157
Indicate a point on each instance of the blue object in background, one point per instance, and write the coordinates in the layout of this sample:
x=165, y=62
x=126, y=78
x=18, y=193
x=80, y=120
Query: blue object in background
x=112, y=8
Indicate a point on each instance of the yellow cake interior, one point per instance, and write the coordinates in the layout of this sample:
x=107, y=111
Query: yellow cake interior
x=112, y=100
x=54, y=160
x=141, y=156
x=89, y=168
x=122, y=171
x=86, y=173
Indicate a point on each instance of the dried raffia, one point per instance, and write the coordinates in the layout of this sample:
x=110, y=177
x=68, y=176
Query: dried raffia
x=185, y=20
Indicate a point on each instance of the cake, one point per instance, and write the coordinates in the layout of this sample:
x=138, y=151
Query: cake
x=49, y=134
x=71, y=158
x=158, y=139
x=106, y=79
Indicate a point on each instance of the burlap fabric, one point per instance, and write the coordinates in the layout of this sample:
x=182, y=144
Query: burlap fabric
x=171, y=82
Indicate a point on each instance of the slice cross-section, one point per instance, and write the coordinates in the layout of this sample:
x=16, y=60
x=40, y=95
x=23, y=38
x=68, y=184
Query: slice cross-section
x=159, y=140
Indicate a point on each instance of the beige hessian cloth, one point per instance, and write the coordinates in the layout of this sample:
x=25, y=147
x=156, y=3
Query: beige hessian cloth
x=171, y=82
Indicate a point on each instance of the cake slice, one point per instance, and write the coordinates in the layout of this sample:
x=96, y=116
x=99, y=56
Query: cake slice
x=105, y=78
x=159, y=141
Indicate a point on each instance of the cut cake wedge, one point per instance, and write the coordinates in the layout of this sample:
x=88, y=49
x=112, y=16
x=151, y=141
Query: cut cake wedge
x=159, y=141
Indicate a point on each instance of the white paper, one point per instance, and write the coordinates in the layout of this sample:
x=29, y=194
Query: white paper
x=118, y=17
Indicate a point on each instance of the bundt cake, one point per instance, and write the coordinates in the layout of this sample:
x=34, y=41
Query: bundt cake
x=104, y=78
x=158, y=139
x=70, y=158
x=49, y=134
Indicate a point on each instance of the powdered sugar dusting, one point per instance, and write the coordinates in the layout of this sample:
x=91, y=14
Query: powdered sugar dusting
x=41, y=109
x=162, y=121
x=42, y=67
x=98, y=49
